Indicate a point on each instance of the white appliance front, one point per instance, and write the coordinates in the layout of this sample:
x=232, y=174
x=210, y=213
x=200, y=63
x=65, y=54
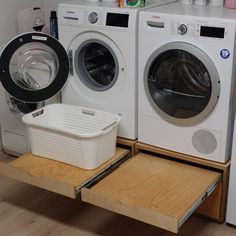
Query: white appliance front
x=186, y=80
x=231, y=203
x=101, y=40
x=15, y=139
x=33, y=68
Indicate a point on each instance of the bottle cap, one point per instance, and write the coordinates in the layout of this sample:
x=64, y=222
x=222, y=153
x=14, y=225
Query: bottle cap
x=53, y=14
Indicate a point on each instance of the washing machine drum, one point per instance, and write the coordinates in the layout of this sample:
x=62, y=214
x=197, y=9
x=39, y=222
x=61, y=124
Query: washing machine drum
x=97, y=65
x=33, y=67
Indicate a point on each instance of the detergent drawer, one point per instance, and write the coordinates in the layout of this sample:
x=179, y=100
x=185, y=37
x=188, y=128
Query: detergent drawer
x=158, y=191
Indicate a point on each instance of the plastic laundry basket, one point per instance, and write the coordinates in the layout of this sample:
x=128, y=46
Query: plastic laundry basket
x=79, y=136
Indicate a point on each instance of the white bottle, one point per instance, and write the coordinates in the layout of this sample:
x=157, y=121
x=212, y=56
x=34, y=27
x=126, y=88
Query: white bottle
x=200, y=2
x=216, y=3
x=230, y=3
x=187, y=2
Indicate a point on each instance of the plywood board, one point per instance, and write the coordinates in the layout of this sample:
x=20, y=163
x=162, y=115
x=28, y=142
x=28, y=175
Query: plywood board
x=53, y=175
x=211, y=206
x=176, y=155
x=154, y=190
x=127, y=142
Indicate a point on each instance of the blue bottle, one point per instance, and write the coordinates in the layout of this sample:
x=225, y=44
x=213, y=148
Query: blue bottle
x=54, y=24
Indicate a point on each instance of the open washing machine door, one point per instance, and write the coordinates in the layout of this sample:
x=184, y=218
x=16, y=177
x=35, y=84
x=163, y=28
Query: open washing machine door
x=33, y=67
x=182, y=83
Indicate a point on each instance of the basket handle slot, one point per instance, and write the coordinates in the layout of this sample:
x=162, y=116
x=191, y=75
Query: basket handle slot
x=38, y=113
x=88, y=112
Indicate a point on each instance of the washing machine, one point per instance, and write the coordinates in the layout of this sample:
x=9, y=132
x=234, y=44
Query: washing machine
x=101, y=41
x=14, y=136
x=13, y=131
x=33, y=69
x=186, y=79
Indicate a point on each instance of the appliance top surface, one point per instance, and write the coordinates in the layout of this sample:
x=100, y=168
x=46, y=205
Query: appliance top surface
x=148, y=4
x=193, y=10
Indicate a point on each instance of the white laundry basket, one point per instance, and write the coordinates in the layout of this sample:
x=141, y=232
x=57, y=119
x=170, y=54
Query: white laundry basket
x=79, y=136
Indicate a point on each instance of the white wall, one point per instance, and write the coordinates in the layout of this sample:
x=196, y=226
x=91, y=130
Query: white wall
x=8, y=12
x=9, y=9
x=51, y=5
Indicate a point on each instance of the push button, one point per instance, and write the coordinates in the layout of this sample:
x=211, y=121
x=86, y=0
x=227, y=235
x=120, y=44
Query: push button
x=93, y=17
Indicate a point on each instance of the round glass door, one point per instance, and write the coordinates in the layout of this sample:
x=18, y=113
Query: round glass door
x=34, y=67
x=182, y=83
x=97, y=65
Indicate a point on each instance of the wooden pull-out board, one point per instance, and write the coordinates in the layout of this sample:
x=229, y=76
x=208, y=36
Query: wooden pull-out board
x=55, y=176
x=157, y=191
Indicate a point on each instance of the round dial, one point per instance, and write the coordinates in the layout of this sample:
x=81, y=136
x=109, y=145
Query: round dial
x=182, y=29
x=93, y=17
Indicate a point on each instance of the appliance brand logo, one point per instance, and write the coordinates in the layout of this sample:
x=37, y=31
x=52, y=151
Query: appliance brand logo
x=224, y=53
x=156, y=17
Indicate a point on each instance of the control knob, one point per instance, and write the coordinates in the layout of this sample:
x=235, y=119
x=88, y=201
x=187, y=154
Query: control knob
x=93, y=17
x=182, y=29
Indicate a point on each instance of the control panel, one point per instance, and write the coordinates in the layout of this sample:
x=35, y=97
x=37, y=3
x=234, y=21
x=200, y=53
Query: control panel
x=117, y=19
x=197, y=30
x=200, y=29
x=184, y=27
x=94, y=17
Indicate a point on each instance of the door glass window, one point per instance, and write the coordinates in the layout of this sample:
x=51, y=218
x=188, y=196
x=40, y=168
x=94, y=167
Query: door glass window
x=179, y=84
x=97, y=66
x=34, y=66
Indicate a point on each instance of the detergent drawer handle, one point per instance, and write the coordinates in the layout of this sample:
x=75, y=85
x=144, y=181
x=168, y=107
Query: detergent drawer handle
x=70, y=18
x=156, y=24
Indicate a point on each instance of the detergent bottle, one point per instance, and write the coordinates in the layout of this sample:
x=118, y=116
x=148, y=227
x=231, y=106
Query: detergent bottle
x=230, y=3
x=131, y=3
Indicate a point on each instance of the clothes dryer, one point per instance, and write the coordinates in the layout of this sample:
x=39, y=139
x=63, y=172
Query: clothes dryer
x=33, y=69
x=186, y=79
x=101, y=41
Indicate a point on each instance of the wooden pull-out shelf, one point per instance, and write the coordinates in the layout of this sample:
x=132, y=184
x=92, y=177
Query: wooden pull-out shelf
x=213, y=207
x=157, y=191
x=56, y=176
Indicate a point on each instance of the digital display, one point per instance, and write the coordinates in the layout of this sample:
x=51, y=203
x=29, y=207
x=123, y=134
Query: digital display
x=117, y=20
x=214, y=32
